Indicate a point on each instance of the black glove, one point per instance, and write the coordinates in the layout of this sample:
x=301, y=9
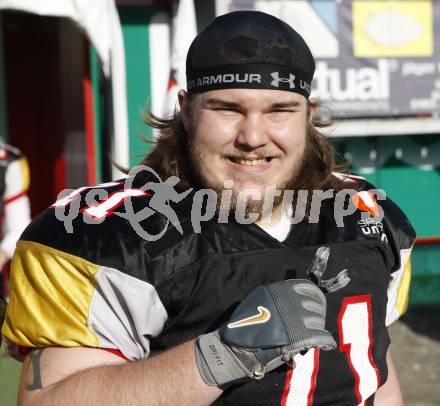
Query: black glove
x=269, y=327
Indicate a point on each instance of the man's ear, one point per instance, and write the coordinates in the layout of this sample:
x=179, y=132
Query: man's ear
x=182, y=96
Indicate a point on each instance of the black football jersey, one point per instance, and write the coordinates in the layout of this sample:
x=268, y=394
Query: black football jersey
x=119, y=273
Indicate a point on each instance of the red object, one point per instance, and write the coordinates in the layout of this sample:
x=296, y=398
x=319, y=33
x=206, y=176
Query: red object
x=116, y=352
x=427, y=240
x=35, y=111
x=89, y=119
x=286, y=387
x=346, y=347
x=49, y=96
x=12, y=198
x=5, y=280
x=172, y=82
x=290, y=374
x=365, y=201
x=314, y=377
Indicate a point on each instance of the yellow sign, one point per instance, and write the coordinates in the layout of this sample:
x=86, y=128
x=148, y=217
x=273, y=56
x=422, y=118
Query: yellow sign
x=392, y=28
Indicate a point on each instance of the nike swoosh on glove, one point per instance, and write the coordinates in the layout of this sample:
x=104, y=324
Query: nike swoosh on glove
x=268, y=328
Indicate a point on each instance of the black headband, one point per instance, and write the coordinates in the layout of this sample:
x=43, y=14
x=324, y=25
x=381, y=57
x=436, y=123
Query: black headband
x=249, y=49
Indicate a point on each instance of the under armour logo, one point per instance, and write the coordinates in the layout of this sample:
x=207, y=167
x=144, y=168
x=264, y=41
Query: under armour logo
x=276, y=80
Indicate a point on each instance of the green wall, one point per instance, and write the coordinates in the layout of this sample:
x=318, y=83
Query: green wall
x=425, y=285
x=95, y=74
x=135, y=22
x=408, y=169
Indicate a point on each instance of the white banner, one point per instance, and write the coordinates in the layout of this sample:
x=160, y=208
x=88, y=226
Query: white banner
x=100, y=21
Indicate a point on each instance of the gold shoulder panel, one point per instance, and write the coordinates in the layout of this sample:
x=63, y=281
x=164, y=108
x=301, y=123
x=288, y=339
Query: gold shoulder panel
x=51, y=294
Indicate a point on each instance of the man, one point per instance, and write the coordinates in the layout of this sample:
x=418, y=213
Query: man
x=14, y=205
x=228, y=315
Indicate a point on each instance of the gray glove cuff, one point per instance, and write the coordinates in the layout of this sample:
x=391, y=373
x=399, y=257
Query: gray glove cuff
x=217, y=363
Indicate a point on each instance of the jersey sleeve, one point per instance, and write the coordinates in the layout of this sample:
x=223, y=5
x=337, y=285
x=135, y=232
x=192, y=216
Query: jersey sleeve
x=17, y=213
x=400, y=237
x=398, y=288
x=60, y=297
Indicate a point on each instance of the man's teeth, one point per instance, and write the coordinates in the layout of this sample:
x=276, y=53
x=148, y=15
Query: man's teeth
x=251, y=162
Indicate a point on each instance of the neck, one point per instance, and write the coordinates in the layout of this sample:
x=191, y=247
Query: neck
x=272, y=218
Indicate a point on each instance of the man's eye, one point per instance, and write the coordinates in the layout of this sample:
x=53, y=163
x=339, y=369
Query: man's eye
x=283, y=111
x=227, y=110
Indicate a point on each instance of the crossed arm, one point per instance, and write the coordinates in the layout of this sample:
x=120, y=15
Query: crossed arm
x=86, y=376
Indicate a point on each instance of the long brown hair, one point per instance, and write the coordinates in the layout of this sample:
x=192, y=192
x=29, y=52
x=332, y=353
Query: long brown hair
x=170, y=155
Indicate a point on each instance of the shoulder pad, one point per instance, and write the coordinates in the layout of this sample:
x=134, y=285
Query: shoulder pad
x=108, y=225
x=9, y=153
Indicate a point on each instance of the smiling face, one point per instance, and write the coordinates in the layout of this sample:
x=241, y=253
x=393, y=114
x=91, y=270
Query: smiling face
x=254, y=137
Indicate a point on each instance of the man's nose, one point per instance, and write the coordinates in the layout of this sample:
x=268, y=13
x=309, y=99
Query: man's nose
x=252, y=132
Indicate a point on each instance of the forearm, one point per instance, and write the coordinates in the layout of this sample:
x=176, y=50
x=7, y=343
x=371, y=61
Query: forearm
x=389, y=394
x=169, y=378
x=89, y=376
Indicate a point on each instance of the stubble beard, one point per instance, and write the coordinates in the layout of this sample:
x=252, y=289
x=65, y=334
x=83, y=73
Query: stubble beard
x=294, y=182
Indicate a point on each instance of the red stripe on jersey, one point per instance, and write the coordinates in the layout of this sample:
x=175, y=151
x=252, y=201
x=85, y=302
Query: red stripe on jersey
x=286, y=387
x=16, y=197
x=346, y=347
x=116, y=352
x=370, y=348
x=303, y=389
x=314, y=377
